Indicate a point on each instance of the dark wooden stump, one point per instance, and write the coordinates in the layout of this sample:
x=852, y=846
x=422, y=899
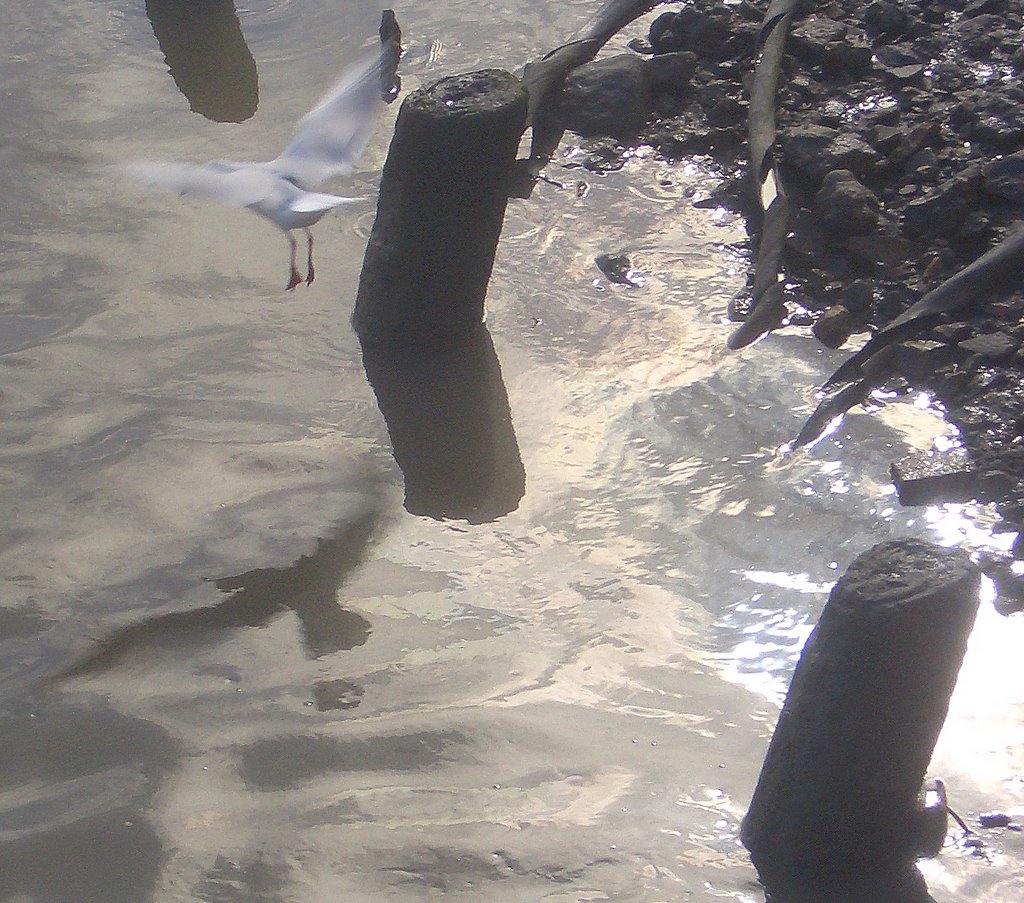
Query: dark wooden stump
x=837, y=798
x=439, y=215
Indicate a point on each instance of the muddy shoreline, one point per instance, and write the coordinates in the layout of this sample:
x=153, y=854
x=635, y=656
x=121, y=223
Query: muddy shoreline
x=901, y=141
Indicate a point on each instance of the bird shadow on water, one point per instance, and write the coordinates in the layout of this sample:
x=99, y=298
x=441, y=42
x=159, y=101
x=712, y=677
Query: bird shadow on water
x=308, y=587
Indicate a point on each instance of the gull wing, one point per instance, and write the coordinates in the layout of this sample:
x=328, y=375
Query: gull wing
x=333, y=135
x=235, y=184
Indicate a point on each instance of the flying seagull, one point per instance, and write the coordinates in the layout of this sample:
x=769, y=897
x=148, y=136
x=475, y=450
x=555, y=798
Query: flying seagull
x=328, y=142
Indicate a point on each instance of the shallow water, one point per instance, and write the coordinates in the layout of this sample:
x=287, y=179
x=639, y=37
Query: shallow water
x=235, y=667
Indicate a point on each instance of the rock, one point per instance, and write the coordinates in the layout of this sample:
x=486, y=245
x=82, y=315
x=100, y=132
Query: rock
x=673, y=71
x=607, y=97
x=919, y=359
x=854, y=55
x=886, y=138
x=823, y=41
x=943, y=210
x=1005, y=178
x=858, y=297
x=998, y=118
x=929, y=478
x=813, y=35
x=886, y=16
x=619, y=269
x=888, y=249
x=900, y=63
x=665, y=36
x=992, y=346
x=833, y=327
x=845, y=207
x=812, y=151
x=603, y=155
x=978, y=7
x=980, y=34
x=704, y=29
x=994, y=820
x=727, y=112
x=952, y=332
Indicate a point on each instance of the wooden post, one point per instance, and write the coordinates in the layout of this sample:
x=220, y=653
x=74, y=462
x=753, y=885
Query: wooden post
x=837, y=798
x=439, y=214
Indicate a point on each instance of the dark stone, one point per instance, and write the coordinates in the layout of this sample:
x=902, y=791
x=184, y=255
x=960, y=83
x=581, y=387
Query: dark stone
x=943, y=210
x=886, y=248
x=1005, y=178
x=833, y=327
x=978, y=7
x=931, y=478
x=980, y=34
x=603, y=155
x=727, y=112
x=900, y=63
x=845, y=207
x=998, y=118
x=673, y=71
x=854, y=56
x=886, y=138
x=994, y=820
x=664, y=35
x=708, y=31
x=858, y=296
x=992, y=346
x=607, y=97
x=823, y=41
x=619, y=269
x=888, y=17
x=952, y=332
x=838, y=795
x=813, y=35
x=812, y=151
x=918, y=359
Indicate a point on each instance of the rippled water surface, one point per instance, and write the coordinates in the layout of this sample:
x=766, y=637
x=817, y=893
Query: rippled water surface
x=234, y=666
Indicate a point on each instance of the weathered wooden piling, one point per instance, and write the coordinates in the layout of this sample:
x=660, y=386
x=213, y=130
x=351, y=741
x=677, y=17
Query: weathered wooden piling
x=837, y=798
x=440, y=210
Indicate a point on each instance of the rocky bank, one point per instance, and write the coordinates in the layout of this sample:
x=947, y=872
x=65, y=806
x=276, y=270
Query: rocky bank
x=901, y=140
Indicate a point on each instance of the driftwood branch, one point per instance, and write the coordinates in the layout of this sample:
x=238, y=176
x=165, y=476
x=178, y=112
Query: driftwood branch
x=767, y=308
x=996, y=270
x=985, y=275
x=542, y=75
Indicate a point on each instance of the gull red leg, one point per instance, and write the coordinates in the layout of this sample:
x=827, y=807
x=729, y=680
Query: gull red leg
x=309, y=258
x=295, y=278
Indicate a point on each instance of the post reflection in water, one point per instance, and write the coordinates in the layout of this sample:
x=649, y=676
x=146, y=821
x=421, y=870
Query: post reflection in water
x=907, y=886
x=308, y=587
x=451, y=429
x=207, y=56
